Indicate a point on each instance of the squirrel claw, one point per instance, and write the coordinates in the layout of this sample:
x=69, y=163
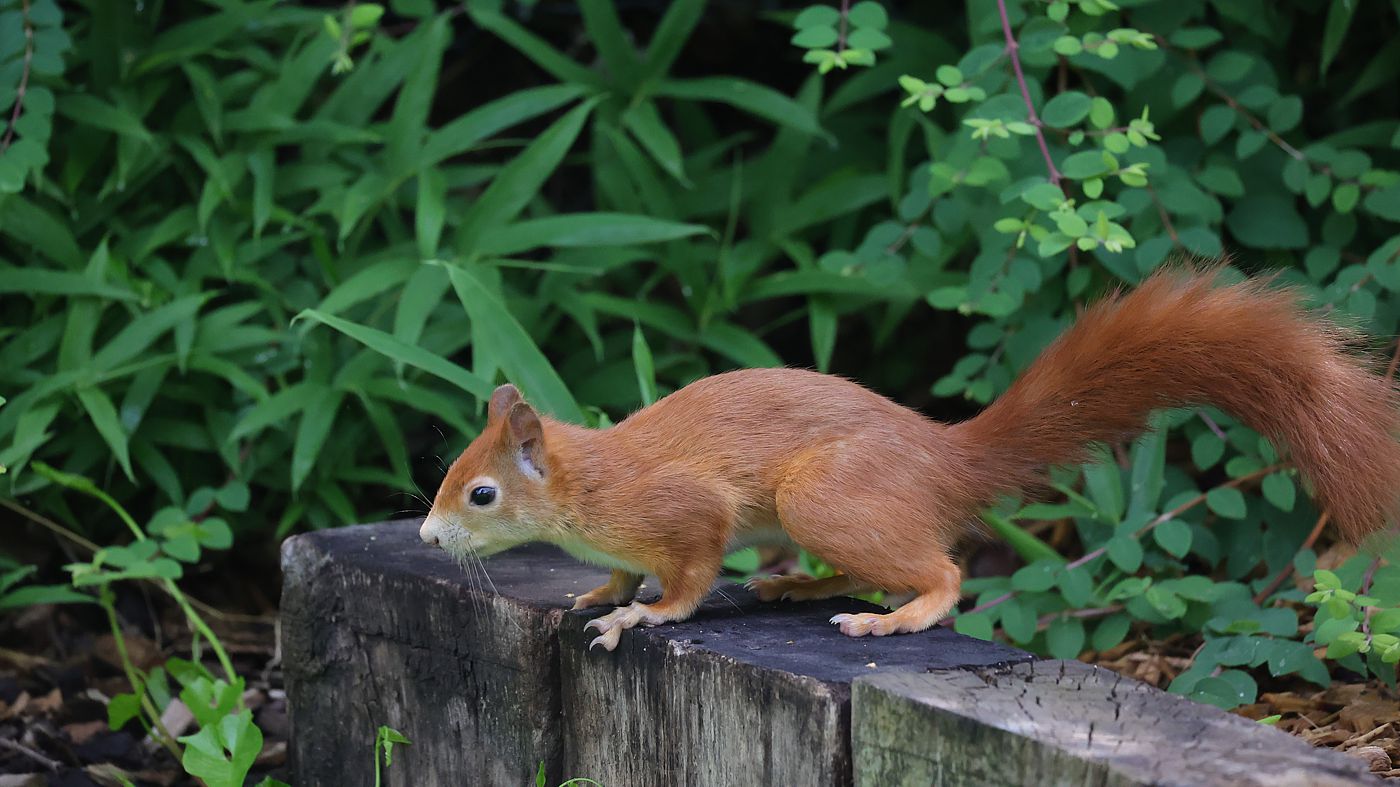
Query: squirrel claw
x=608, y=640
x=863, y=623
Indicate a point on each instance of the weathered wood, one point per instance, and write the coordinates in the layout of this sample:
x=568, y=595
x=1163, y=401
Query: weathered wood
x=742, y=693
x=378, y=629
x=1059, y=722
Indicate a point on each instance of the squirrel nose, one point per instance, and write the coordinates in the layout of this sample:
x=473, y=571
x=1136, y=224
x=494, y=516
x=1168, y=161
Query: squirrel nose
x=429, y=532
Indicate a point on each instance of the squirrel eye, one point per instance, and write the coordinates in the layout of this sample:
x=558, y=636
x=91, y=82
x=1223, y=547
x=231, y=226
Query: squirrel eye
x=483, y=495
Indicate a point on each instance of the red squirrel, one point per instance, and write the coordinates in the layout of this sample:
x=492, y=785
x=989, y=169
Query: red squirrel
x=881, y=492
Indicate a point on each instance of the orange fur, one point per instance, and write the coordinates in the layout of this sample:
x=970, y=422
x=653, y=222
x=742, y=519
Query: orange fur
x=883, y=493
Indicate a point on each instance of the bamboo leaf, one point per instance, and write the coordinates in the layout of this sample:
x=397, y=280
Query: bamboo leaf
x=393, y=348
x=519, y=356
x=518, y=181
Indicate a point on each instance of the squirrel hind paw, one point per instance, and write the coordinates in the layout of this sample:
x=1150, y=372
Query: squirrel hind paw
x=862, y=623
x=608, y=640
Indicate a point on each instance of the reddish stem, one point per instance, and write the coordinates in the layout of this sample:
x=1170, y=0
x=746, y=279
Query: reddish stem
x=23, y=80
x=1012, y=49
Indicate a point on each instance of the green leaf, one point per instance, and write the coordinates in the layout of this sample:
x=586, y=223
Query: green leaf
x=817, y=15
x=1216, y=122
x=524, y=364
x=611, y=41
x=1285, y=113
x=1384, y=203
x=464, y=132
x=92, y=111
x=1165, y=602
x=670, y=36
x=1279, y=490
x=1110, y=631
x=1066, y=109
x=1065, y=638
x=646, y=369
x=314, y=427
x=43, y=594
x=584, y=229
x=222, y=754
x=42, y=281
x=532, y=46
x=868, y=14
x=751, y=97
x=1027, y=545
x=518, y=182
x=977, y=625
x=1125, y=552
x=386, y=345
x=815, y=37
x=1174, y=536
x=1339, y=15
x=645, y=124
x=1268, y=221
x=1036, y=577
x=430, y=212
x=1227, y=502
x=139, y=334
x=1017, y=620
x=104, y=416
x=122, y=709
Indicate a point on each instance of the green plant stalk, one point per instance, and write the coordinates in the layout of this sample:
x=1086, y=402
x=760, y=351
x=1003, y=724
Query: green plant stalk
x=1027, y=545
x=137, y=685
x=86, y=487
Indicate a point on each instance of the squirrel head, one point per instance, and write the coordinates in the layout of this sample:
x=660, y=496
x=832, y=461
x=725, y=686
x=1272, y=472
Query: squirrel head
x=495, y=495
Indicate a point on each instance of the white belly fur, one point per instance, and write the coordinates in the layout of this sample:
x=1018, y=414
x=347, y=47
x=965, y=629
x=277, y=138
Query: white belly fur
x=751, y=536
x=582, y=551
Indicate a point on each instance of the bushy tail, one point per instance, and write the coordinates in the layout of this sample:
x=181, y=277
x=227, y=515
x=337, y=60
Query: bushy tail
x=1180, y=340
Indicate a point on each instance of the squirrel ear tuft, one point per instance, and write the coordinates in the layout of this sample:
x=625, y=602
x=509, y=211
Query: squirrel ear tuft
x=527, y=433
x=502, y=399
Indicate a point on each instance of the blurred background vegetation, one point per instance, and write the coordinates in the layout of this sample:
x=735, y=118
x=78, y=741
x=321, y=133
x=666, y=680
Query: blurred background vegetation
x=261, y=262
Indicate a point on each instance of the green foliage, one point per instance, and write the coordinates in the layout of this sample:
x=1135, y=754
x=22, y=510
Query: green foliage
x=278, y=245
x=384, y=740
x=838, y=38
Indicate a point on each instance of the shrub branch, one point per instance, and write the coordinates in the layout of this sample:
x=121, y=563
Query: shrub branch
x=23, y=78
x=1013, y=52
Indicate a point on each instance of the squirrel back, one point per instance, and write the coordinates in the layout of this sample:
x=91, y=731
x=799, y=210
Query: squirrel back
x=1180, y=339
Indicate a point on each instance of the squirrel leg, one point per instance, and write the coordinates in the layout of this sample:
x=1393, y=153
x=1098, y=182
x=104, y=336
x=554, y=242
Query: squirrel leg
x=890, y=531
x=682, y=588
x=620, y=589
x=928, y=607
x=800, y=587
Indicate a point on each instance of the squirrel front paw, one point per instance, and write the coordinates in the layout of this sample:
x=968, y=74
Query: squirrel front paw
x=605, y=596
x=611, y=625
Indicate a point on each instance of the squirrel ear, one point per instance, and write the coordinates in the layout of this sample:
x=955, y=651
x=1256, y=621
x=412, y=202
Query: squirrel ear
x=527, y=434
x=502, y=399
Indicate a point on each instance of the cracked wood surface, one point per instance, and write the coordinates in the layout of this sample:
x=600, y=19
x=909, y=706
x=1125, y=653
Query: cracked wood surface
x=1064, y=722
x=377, y=629
x=490, y=679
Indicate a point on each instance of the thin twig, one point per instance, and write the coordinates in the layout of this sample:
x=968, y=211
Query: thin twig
x=841, y=35
x=56, y=528
x=1365, y=590
x=1092, y=612
x=20, y=748
x=23, y=78
x=1287, y=571
x=1166, y=219
x=1012, y=50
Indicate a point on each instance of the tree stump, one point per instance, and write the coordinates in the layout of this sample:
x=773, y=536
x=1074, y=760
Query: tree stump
x=491, y=679
x=1068, y=723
